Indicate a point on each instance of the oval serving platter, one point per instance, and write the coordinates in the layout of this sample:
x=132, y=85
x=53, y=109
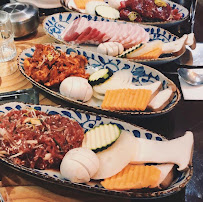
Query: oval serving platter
x=142, y=75
x=165, y=24
x=88, y=121
x=54, y=25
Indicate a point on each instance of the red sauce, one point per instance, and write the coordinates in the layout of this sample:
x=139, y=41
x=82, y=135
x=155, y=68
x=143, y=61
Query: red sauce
x=42, y=145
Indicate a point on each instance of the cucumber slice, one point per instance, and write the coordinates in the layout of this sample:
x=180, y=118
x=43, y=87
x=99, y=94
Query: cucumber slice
x=91, y=5
x=101, y=137
x=107, y=12
x=130, y=50
x=100, y=76
x=120, y=79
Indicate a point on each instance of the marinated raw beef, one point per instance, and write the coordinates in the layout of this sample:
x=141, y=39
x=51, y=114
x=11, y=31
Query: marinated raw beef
x=147, y=10
x=38, y=140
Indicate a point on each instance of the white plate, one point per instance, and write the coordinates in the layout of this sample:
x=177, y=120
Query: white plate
x=184, y=11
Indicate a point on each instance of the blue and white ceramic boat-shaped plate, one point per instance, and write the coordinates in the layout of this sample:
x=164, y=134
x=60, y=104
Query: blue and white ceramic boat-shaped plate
x=181, y=9
x=55, y=24
x=88, y=121
x=141, y=74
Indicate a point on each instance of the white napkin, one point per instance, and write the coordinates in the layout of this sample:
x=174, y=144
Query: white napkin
x=192, y=92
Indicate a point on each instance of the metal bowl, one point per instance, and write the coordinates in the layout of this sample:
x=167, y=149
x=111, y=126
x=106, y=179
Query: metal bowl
x=24, y=18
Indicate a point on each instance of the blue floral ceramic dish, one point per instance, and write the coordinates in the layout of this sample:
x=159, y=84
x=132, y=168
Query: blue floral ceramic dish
x=181, y=9
x=142, y=75
x=88, y=121
x=55, y=24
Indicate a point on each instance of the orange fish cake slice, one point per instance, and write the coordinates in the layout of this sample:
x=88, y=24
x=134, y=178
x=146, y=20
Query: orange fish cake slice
x=133, y=177
x=154, y=54
x=82, y=3
x=126, y=99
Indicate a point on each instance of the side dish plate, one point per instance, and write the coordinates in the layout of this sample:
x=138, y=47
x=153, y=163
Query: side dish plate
x=55, y=24
x=88, y=121
x=181, y=9
x=142, y=75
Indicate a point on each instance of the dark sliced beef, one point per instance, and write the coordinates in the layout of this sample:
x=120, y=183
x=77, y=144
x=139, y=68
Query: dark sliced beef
x=147, y=9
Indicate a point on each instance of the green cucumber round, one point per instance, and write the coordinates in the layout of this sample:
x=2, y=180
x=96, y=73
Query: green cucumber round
x=100, y=76
x=101, y=137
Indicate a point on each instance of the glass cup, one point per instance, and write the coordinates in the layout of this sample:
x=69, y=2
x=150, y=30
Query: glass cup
x=7, y=46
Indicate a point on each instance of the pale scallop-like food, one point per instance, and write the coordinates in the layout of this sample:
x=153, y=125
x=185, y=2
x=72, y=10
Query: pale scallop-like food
x=76, y=88
x=110, y=48
x=79, y=165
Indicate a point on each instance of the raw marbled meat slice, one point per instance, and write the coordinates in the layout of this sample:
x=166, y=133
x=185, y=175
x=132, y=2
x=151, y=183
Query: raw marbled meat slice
x=74, y=32
x=114, y=26
x=68, y=33
x=122, y=28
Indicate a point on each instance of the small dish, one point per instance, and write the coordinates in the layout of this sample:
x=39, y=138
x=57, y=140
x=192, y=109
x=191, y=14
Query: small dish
x=87, y=121
x=165, y=24
x=55, y=24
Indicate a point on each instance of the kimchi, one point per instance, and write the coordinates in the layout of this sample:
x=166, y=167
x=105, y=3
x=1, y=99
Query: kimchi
x=50, y=66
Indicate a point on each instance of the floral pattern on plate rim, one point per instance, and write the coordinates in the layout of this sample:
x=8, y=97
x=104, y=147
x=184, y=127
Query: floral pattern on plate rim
x=141, y=75
x=88, y=121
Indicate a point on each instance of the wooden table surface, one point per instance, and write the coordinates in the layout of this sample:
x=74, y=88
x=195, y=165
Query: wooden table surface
x=17, y=187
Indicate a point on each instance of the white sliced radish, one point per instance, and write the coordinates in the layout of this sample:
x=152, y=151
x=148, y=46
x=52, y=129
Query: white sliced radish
x=119, y=80
x=98, y=95
x=113, y=159
x=107, y=12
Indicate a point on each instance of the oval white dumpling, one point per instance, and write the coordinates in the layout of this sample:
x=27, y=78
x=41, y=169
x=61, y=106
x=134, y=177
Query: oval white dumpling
x=76, y=88
x=74, y=171
x=79, y=165
x=86, y=157
x=110, y=48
